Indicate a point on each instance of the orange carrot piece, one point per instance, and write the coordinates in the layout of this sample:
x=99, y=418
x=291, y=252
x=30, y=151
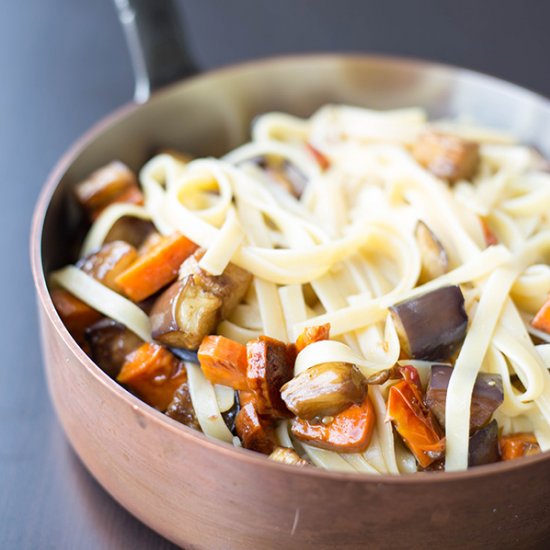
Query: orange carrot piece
x=517, y=445
x=255, y=432
x=154, y=374
x=349, y=431
x=223, y=361
x=156, y=268
x=75, y=314
x=311, y=335
x=490, y=238
x=542, y=318
x=321, y=159
x=413, y=421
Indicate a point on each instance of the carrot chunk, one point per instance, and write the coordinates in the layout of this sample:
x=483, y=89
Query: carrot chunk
x=223, y=361
x=517, y=445
x=270, y=366
x=413, y=420
x=255, y=432
x=321, y=159
x=75, y=314
x=311, y=335
x=349, y=431
x=154, y=374
x=155, y=269
x=542, y=318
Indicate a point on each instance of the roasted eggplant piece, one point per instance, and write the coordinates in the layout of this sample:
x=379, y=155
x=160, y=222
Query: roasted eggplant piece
x=114, y=182
x=75, y=314
x=108, y=262
x=270, y=364
x=487, y=396
x=433, y=255
x=284, y=173
x=447, y=157
x=349, y=431
x=518, y=445
x=181, y=407
x=287, y=456
x=433, y=326
x=255, y=432
x=109, y=343
x=483, y=446
x=230, y=416
x=194, y=305
x=324, y=390
x=154, y=374
x=132, y=230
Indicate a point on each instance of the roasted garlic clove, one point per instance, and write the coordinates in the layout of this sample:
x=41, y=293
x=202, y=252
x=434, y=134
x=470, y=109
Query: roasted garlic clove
x=432, y=326
x=324, y=390
x=433, y=257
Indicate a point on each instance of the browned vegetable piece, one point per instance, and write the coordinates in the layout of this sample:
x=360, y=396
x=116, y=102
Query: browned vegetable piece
x=151, y=241
x=107, y=185
x=75, y=314
x=181, y=407
x=433, y=257
x=270, y=365
x=255, y=432
x=432, y=326
x=487, y=396
x=483, y=446
x=382, y=376
x=518, y=445
x=448, y=157
x=284, y=173
x=108, y=262
x=134, y=231
x=324, y=390
x=223, y=361
x=310, y=335
x=193, y=307
x=287, y=456
x=154, y=374
x=110, y=342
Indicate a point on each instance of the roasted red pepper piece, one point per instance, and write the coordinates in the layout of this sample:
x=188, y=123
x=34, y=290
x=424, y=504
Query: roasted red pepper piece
x=311, y=335
x=349, y=431
x=413, y=420
x=255, y=432
x=223, y=361
x=154, y=374
x=518, y=445
x=270, y=366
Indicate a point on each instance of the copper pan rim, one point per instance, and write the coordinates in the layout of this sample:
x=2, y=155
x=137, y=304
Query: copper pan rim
x=194, y=437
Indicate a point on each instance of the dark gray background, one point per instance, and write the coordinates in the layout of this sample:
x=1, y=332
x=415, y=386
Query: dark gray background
x=63, y=65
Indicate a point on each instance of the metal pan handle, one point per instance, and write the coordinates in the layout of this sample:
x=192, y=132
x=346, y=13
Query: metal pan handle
x=156, y=42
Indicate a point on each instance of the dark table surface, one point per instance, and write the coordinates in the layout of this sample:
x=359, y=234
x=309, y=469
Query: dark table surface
x=64, y=65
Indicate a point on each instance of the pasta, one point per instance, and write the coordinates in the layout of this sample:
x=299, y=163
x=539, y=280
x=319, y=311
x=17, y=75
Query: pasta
x=342, y=251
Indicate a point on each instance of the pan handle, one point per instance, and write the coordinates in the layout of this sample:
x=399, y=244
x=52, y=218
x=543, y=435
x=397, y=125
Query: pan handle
x=156, y=42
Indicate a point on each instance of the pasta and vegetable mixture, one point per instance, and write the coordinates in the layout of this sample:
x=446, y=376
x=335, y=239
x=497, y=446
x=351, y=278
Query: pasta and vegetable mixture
x=360, y=291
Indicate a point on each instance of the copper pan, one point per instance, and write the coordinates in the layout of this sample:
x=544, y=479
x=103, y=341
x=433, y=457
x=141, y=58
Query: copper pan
x=203, y=494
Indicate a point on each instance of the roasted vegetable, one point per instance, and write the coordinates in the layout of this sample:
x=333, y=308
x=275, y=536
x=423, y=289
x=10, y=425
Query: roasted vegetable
x=230, y=416
x=110, y=342
x=446, y=156
x=324, y=390
x=108, y=262
x=287, y=456
x=518, y=445
x=75, y=314
x=414, y=421
x=181, y=407
x=322, y=160
x=490, y=238
x=311, y=335
x=155, y=269
x=223, y=361
x=487, y=396
x=382, y=376
x=255, y=432
x=132, y=230
x=434, y=259
x=541, y=320
x=193, y=306
x=114, y=182
x=483, y=446
x=270, y=366
x=284, y=173
x=349, y=431
x=154, y=374
x=432, y=326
